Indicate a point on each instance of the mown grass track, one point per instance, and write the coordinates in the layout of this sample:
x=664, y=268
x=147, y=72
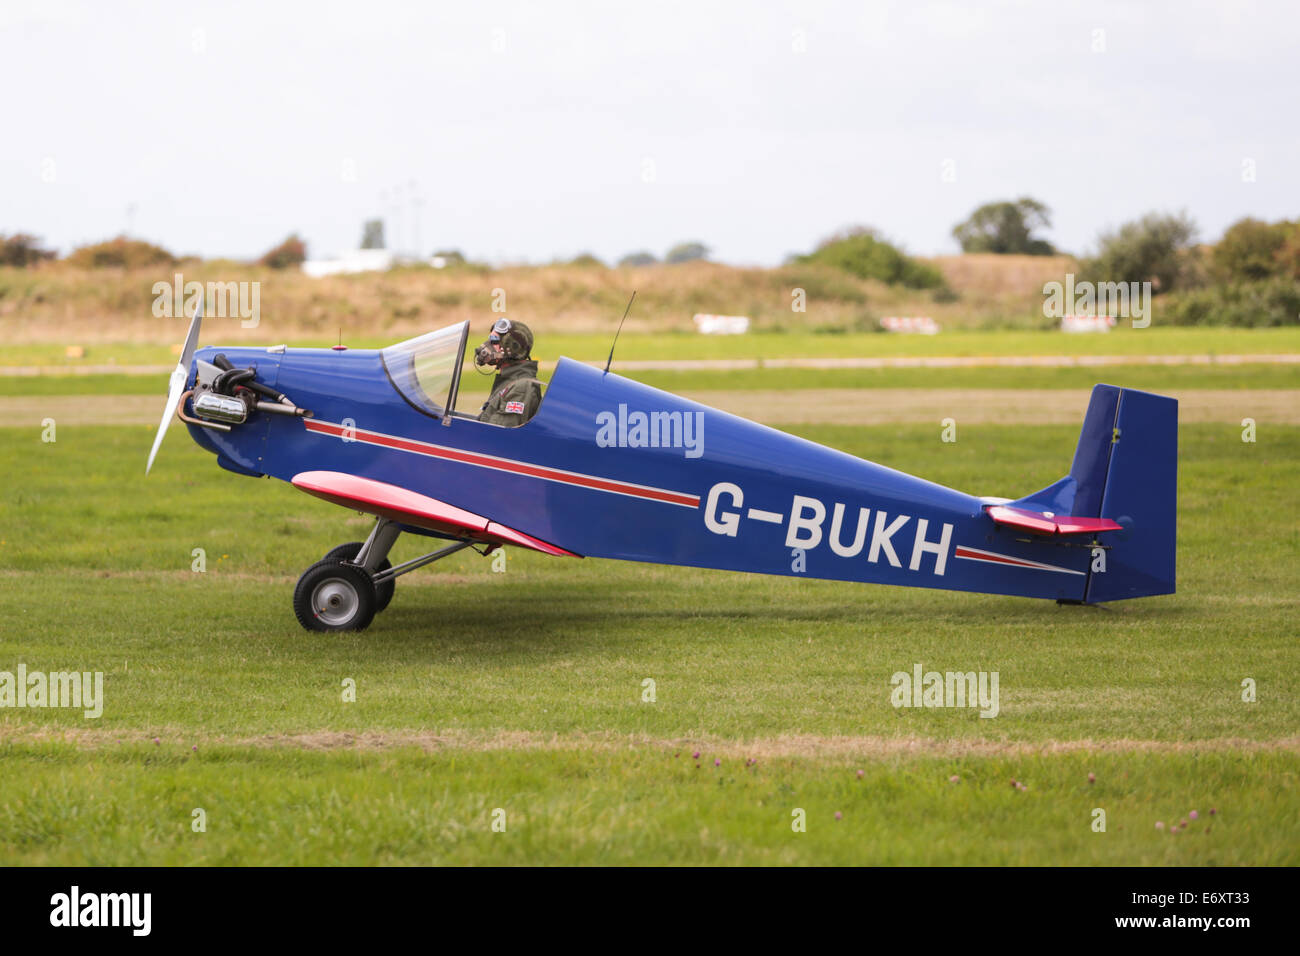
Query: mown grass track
x=523, y=690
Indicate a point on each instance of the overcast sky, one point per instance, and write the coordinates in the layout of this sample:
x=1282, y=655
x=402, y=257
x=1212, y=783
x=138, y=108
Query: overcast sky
x=538, y=130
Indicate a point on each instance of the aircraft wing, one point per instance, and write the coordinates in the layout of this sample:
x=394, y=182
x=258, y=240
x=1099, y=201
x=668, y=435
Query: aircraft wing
x=1040, y=522
x=411, y=508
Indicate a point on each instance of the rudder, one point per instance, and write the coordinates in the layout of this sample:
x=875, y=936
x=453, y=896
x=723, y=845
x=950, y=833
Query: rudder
x=1140, y=492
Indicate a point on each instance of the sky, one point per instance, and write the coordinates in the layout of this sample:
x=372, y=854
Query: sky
x=535, y=131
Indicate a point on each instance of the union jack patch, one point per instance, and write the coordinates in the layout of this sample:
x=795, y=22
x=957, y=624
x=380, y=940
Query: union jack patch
x=516, y=408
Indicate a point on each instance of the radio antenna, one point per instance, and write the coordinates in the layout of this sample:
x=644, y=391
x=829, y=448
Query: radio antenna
x=620, y=329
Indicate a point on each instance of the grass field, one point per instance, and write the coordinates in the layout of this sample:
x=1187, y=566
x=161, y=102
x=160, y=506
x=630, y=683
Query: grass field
x=522, y=691
x=157, y=348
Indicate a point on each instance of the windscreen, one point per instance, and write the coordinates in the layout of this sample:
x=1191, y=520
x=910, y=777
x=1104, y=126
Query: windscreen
x=426, y=370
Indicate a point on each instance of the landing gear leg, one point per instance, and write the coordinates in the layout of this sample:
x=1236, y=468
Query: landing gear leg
x=355, y=581
x=372, y=555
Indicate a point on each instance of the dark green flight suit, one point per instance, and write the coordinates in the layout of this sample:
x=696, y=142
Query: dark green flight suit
x=516, y=394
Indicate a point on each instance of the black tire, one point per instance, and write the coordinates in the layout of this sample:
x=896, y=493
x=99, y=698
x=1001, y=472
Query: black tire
x=334, y=596
x=383, y=591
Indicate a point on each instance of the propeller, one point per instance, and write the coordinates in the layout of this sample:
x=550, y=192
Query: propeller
x=177, y=387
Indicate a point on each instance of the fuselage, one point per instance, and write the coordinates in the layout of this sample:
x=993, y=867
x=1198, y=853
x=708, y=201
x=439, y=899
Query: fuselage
x=615, y=469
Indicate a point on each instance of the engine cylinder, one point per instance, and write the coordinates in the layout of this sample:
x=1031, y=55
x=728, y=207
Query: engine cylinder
x=220, y=408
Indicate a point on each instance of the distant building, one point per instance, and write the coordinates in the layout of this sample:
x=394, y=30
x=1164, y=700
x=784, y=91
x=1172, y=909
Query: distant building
x=354, y=260
x=1087, y=323
x=722, y=324
x=910, y=324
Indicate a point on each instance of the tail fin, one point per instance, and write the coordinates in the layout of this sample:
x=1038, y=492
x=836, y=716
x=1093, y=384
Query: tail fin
x=1141, y=493
x=1126, y=469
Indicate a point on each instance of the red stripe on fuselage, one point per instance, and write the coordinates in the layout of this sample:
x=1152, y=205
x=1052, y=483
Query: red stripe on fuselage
x=504, y=464
x=975, y=554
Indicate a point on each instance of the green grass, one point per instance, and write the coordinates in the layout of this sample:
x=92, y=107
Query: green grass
x=134, y=805
x=534, y=679
x=641, y=346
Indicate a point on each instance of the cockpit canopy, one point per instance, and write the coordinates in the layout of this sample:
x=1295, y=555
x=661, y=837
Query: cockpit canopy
x=426, y=369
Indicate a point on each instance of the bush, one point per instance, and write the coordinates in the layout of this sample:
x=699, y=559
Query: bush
x=821, y=283
x=120, y=253
x=864, y=254
x=586, y=260
x=1272, y=302
x=1156, y=248
x=22, y=250
x=642, y=258
x=1006, y=228
x=686, y=252
x=288, y=254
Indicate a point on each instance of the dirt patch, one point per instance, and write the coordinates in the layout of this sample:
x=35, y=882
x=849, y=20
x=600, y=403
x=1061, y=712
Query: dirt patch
x=145, y=574
x=791, y=745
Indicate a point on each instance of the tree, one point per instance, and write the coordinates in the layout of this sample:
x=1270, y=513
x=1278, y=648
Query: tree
x=1006, y=227
x=1155, y=248
x=22, y=250
x=1252, y=249
x=1288, y=257
x=862, y=252
x=642, y=258
x=686, y=252
x=372, y=234
x=289, y=253
x=120, y=253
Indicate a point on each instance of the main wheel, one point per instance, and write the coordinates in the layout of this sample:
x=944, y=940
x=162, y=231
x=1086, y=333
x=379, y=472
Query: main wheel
x=383, y=591
x=334, y=596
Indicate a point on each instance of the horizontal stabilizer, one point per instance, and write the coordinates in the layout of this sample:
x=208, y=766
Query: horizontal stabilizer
x=1040, y=522
x=408, y=507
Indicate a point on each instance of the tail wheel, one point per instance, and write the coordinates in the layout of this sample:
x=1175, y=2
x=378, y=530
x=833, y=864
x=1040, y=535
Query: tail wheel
x=383, y=591
x=334, y=596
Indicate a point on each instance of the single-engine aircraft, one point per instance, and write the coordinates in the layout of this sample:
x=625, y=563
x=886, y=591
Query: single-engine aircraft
x=610, y=468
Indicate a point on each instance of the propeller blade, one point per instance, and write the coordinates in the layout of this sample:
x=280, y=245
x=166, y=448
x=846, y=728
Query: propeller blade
x=176, y=387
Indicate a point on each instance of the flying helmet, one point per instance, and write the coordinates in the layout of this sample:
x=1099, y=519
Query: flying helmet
x=514, y=338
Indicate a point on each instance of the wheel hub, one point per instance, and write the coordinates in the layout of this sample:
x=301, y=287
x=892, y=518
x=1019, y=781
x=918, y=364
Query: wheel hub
x=334, y=601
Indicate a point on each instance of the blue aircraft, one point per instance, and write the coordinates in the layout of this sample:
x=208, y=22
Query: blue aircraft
x=611, y=468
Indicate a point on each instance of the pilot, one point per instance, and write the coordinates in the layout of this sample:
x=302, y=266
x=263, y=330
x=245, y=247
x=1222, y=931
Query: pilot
x=516, y=392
